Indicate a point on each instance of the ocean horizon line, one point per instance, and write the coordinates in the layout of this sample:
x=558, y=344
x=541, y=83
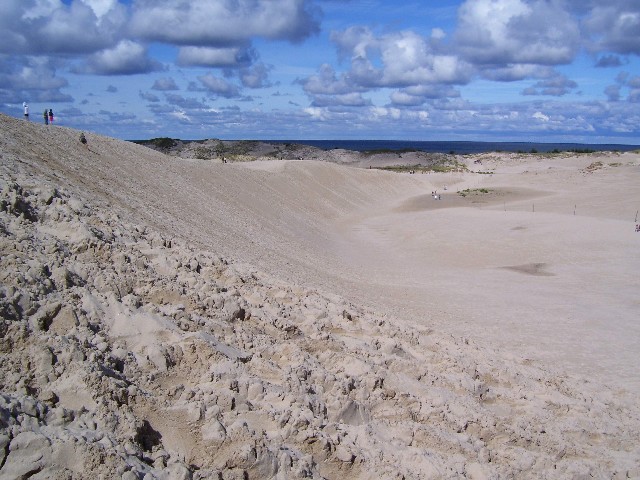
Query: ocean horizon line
x=434, y=146
x=458, y=146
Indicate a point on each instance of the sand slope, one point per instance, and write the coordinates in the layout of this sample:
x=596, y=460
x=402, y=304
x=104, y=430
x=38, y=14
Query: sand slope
x=180, y=318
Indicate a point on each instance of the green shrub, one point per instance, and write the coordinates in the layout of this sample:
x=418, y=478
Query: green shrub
x=203, y=153
x=164, y=143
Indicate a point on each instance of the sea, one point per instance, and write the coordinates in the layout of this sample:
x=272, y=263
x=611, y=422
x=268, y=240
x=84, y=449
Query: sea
x=459, y=147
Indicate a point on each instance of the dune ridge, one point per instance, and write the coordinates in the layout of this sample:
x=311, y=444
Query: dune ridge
x=166, y=318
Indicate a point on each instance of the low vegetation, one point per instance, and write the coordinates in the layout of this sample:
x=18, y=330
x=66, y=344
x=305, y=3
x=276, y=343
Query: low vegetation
x=556, y=151
x=204, y=153
x=474, y=191
x=388, y=151
x=593, y=167
x=405, y=168
x=443, y=164
x=241, y=147
x=161, y=143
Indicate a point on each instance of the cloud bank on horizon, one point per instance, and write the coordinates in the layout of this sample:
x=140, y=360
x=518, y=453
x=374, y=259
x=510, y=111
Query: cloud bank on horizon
x=530, y=70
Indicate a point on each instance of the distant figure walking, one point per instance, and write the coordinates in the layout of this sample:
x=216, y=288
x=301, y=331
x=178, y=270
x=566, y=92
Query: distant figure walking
x=51, y=116
x=46, y=117
x=83, y=140
x=26, y=110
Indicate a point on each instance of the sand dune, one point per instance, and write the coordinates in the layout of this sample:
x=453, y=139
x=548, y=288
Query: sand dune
x=166, y=317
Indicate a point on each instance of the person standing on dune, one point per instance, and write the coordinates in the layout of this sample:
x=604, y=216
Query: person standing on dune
x=46, y=117
x=26, y=110
x=51, y=116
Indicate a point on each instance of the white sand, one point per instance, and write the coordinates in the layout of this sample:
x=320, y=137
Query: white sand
x=311, y=319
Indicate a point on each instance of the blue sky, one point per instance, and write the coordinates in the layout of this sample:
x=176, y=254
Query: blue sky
x=495, y=70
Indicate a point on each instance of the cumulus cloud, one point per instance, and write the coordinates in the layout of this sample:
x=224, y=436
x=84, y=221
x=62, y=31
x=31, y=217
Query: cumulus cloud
x=615, y=26
x=32, y=74
x=317, y=113
x=500, y=40
x=557, y=86
x=216, y=57
x=402, y=98
x=184, y=103
x=575, y=119
x=613, y=93
x=326, y=82
x=419, y=71
x=395, y=60
x=165, y=84
x=540, y=116
x=256, y=76
x=213, y=34
x=118, y=117
x=149, y=97
x=609, y=61
x=31, y=77
x=502, y=32
x=125, y=58
x=515, y=72
x=385, y=112
x=223, y=24
x=344, y=100
x=628, y=82
x=634, y=82
x=219, y=86
x=57, y=27
x=418, y=95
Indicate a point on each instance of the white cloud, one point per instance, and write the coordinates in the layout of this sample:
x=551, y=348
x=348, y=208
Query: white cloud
x=402, y=98
x=216, y=57
x=556, y=85
x=613, y=93
x=181, y=116
x=37, y=74
x=540, y=116
x=33, y=10
x=385, y=112
x=418, y=95
x=615, y=26
x=256, y=76
x=516, y=31
x=326, y=82
x=149, y=97
x=53, y=27
x=184, y=103
x=316, y=113
x=101, y=7
x=515, y=72
x=388, y=81
x=438, y=34
x=344, y=100
x=165, y=84
x=223, y=24
x=219, y=86
x=397, y=60
x=125, y=58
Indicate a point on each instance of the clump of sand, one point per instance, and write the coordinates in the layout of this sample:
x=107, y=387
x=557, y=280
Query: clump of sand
x=131, y=351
